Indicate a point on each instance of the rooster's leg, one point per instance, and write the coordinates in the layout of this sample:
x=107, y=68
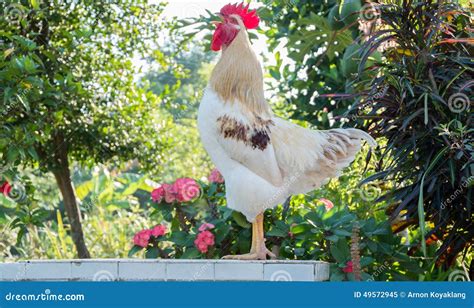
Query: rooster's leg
x=258, y=251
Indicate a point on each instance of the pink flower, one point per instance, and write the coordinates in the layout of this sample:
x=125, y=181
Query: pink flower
x=183, y=190
x=327, y=203
x=5, y=188
x=187, y=189
x=202, y=247
x=142, y=237
x=348, y=268
x=206, y=226
x=157, y=194
x=203, y=240
x=215, y=176
x=159, y=230
x=170, y=192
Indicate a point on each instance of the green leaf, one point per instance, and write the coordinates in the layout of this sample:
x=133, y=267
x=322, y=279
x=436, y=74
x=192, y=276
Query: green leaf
x=152, y=253
x=333, y=238
x=301, y=228
x=340, y=251
x=35, y=4
x=181, y=238
x=84, y=189
x=134, y=250
x=337, y=275
x=241, y=220
x=221, y=232
x=12, y=155
x=299, y=252
x=191, y=253
x=342, y=232
x=131, y=189
x=365, y=261
x=277, y=232
x=275, y=74
x=421, y=210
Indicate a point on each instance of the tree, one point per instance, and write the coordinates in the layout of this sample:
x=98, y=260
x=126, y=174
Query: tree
x=68, y=90
x=315, y=38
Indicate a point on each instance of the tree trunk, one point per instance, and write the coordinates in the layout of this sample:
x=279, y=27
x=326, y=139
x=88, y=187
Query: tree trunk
x=63, y=179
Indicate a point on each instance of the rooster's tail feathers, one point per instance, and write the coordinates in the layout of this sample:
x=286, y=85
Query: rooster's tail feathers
x=357, y=133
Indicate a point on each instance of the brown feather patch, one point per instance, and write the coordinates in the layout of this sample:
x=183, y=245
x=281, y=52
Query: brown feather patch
x=256, y=135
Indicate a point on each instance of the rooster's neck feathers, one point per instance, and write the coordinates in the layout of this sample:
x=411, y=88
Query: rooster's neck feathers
x=238, y=78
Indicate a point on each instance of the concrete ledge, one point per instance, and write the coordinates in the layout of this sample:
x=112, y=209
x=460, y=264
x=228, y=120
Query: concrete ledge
x=164, y=270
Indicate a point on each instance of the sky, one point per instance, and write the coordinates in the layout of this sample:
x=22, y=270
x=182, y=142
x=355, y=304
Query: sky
x=184, y=8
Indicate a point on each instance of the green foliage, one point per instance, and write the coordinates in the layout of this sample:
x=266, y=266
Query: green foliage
x=59, y=81
x=301, y=229
x=420, y=101
x=112, y=210
x=68, y=92
x=314, y=37
x=67, y=81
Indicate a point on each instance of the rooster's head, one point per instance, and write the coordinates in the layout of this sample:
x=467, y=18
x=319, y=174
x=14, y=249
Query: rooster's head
x=233, y=16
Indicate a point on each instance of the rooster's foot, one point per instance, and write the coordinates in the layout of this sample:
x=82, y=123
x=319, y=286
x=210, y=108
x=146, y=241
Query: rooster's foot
x=252, y=256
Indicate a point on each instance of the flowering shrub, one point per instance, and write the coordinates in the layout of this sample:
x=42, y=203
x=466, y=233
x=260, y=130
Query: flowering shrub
x=180, y=205
x=309, y=227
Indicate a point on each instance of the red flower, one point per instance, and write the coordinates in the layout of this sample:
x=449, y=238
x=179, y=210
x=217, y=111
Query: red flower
x=215, y=176
x=187, y=189
x=157, y=194
x=204, y=240
x=5, y=188
x=159, y=230
x=170, y=193
x=142, y=238
x=348, y=268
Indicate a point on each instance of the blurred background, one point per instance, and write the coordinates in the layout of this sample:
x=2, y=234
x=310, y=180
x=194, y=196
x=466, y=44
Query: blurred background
x=98, y=105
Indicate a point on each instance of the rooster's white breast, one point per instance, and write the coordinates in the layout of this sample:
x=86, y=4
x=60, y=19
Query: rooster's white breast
x=252, y=177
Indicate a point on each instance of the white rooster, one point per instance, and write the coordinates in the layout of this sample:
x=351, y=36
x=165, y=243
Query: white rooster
x=263, y=159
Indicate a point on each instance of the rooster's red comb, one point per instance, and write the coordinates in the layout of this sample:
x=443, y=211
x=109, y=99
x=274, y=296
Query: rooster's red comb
x=249, y=18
